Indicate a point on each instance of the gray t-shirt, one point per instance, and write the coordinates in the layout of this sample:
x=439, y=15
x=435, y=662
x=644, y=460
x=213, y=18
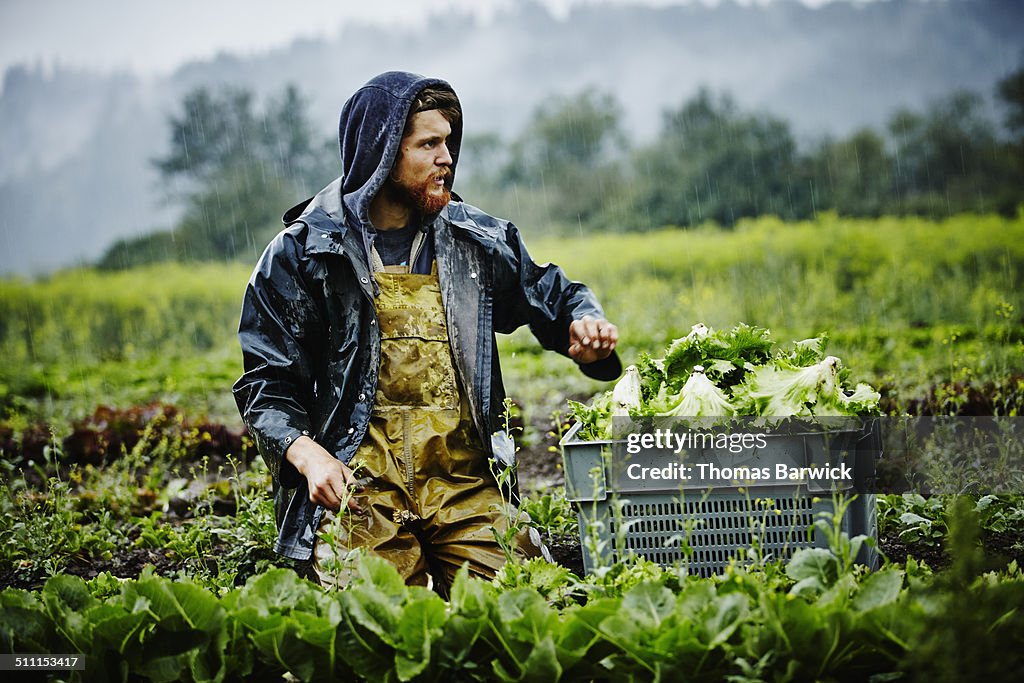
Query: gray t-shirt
x=394, y=246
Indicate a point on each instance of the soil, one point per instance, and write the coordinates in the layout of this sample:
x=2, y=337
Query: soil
x=127, y=564
x=566, y=552
x=999, y=548
x=1004, y=547
x=540, y=467
x=897, y=551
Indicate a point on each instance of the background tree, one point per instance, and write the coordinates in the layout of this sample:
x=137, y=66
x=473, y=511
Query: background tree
x=211, y=133
x=1010, y=92
x=236, y=166
x=713, y=162
x=946, y=159
x=569, y=159
x=236, y=169
x=852, y=176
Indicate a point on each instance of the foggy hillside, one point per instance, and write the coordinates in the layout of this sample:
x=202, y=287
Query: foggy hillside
x=76, y=147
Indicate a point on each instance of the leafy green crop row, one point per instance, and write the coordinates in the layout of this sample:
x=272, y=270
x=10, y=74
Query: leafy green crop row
x=212, y=526
x=925, y=521
x=816, y=621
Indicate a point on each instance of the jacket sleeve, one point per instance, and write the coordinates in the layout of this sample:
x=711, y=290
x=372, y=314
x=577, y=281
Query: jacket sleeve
x=278, y=316
x=544, y=298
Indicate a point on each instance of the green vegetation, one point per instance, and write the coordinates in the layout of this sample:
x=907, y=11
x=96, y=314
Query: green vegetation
x=913, y=306
x=713, y=162
x=819, y=618
x=157, y=502
x=728, y=372
x=80, y=338
x=926, y=521
x=908, y=304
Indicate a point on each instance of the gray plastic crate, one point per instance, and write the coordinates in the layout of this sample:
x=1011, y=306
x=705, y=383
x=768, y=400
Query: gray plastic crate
x=653, y=518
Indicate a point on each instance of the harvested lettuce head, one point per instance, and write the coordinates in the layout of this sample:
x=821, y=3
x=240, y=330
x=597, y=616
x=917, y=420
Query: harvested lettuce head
x=808, y=351
x=652, y=376
x=781, y=390
x=863, y=400
x=723, y=354
x=686, y=352
x=626, y=394
x=595, y=419
x=700, y=397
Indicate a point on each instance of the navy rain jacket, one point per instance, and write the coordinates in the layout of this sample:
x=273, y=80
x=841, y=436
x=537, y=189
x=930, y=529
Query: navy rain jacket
x=308, y=330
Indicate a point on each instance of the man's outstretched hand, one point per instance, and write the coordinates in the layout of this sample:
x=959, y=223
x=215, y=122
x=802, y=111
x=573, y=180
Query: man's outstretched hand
x=330, y=480
x=591, y=339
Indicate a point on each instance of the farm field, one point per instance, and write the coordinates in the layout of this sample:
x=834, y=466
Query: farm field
x=912, y=305
x=121, y=448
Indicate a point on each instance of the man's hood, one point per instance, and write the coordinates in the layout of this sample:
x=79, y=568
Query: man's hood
x=370, y=135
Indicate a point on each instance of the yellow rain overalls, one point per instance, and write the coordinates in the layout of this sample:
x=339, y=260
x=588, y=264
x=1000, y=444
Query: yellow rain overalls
x=430, y=500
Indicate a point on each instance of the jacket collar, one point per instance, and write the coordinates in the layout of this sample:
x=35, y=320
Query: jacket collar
x=328, y=231
x=324, y=217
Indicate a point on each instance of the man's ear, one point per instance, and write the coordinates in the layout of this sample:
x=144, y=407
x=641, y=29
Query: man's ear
x=394, y=165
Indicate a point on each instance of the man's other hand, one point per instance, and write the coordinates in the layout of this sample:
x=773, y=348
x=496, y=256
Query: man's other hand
x=591, y=339
x=330, y=480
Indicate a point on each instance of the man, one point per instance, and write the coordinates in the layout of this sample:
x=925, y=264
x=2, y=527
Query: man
x=367, y=332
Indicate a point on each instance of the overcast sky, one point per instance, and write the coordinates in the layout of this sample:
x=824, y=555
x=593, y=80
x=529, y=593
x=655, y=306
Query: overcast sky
x=153, y=37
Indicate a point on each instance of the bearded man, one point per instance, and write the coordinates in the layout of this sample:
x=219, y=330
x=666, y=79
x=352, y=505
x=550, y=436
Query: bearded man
x=367, y=333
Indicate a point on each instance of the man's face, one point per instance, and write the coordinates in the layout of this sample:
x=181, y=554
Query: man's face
x=423, y=170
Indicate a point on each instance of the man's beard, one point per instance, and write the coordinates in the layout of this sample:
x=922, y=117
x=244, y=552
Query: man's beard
x=420, y=197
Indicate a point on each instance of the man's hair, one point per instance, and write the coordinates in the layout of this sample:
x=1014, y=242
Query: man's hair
x=434, y=97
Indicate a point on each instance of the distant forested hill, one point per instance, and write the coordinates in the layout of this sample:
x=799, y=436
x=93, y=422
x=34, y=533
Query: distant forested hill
x=76, y=147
